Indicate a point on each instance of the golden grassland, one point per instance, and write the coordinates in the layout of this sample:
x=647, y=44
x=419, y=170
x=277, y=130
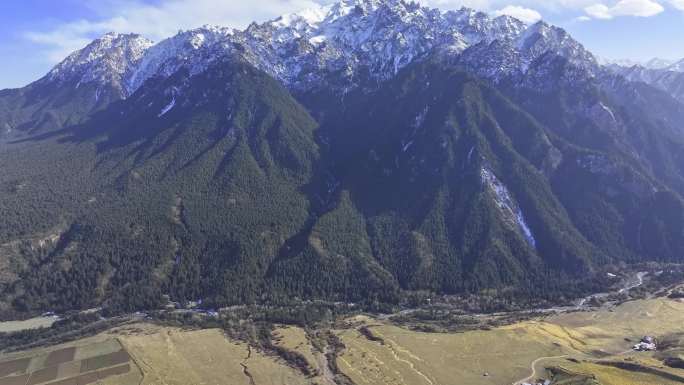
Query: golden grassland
x=493, y=357
x=509, y=354
x=174, y=356
x=296, y=339
x=594, y=345
x=607, y=375
x=606, y=329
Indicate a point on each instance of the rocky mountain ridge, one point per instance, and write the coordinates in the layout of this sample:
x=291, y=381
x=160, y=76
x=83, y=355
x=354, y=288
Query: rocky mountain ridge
x=350, y=40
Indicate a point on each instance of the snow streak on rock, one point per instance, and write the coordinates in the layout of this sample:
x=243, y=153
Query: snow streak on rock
x=509, y=209
x=168, y=107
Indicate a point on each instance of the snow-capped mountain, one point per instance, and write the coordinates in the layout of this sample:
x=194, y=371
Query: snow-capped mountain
x=347, y=41
x=108, y=59
x=512, y=57
x=618, y=62
x=658, y=63
x=669, y=78
x=193, y=50
x=677, y=66
x=653, y=64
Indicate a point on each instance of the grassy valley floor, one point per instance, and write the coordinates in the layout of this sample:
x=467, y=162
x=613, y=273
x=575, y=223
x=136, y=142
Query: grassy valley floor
x=580, y=348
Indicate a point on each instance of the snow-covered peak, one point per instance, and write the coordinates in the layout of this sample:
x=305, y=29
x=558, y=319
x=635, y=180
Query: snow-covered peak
x=653, y=64
x=105, y=60
x=508, y=26
x=625, y=63
x=477, y=26
x=676, y=67
x=306, y=18
x=374, y=38
x=195, y=49
x=370, y=38
x=366, y=6
x=658, y=63
x=542, y=37
x=348, y=40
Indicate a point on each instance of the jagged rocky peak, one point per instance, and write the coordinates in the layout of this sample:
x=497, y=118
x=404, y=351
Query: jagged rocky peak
x=658, y=63
x=542, y=37
x=677, y=66
x=379, y=37
x=194, y=49
x=105, y=60
x=477, y=26
x=370, y=38
x=655, y=64
x=346, y=7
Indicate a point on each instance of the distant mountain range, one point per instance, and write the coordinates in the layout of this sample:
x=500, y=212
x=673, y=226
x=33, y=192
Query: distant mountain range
x=668, y=77
x=360, y=152
x=653, y=64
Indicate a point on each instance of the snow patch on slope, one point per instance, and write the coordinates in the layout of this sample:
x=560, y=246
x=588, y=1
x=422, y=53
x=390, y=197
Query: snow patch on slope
x=609, y=111
x=168, y=107
x=509, y=209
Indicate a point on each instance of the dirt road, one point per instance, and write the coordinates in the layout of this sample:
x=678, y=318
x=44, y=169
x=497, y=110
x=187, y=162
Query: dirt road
x=533, y=367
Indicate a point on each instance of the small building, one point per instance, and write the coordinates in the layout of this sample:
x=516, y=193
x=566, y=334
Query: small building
x=647, y=344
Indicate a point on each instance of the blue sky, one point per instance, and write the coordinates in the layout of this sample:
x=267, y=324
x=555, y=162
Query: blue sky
x=36, y=34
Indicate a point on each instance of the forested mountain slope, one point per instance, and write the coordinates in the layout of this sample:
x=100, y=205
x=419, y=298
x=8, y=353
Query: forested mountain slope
x=492, y=156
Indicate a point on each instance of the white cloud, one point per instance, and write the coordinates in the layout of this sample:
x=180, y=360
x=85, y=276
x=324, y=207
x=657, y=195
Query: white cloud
x=526, y=15
x=679, y=4
x=599, y=11
x=555, y=6
x=455, y=4
x=640, y=8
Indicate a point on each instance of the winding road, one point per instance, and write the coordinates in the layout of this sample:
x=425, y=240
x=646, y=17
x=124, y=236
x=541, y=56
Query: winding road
x=633, y=283
x=533, y=367
x=637, y=281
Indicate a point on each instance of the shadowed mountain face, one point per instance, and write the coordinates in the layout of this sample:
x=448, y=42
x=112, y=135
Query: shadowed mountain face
x=43, y=107
x=668, y=79
x=190, y=185
x=85, y=82
x=232, y=185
